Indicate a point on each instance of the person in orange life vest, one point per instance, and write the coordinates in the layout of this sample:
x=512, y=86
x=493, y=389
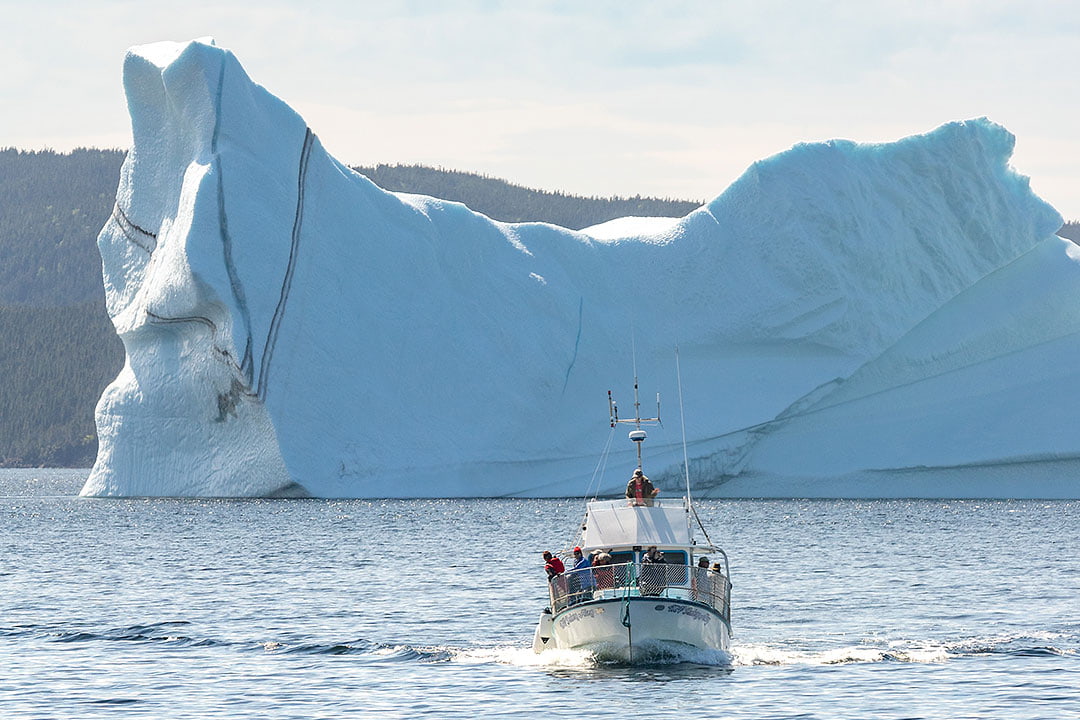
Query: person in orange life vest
x=640, y=490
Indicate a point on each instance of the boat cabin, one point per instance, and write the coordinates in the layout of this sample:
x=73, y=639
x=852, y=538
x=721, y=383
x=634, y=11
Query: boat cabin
x=625, y=531
x=611, y=524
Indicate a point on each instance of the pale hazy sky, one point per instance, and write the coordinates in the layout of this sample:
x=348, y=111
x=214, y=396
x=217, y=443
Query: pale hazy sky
x=661, y=97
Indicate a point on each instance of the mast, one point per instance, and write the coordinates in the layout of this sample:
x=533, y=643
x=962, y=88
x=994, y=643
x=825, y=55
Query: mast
x=682, y=420
x=638, y=434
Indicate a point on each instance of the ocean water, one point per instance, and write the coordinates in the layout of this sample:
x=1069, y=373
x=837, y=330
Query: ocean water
x=422, y=608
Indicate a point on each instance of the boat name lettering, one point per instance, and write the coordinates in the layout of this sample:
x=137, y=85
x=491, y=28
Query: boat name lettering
x=581, y=614
x=686, y=610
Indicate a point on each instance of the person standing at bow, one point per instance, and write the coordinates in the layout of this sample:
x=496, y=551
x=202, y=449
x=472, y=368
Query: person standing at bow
x=639, y=490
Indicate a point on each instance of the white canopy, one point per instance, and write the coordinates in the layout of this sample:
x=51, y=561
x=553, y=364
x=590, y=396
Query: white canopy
x=616, y=523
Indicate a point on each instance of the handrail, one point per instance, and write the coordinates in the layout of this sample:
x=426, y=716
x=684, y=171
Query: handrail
x=727, y=567
x=668, y=580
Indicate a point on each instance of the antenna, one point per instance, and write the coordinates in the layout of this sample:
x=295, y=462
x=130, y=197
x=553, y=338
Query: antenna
x=637, y=435
x=682, y=419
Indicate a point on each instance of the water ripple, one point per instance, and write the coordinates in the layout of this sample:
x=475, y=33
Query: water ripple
x=340, y=609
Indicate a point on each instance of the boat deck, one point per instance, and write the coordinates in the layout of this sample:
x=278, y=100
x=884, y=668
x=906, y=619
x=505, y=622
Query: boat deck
x=660, y=580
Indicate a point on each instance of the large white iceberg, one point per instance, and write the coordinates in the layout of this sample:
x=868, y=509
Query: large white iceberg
x=871, y=320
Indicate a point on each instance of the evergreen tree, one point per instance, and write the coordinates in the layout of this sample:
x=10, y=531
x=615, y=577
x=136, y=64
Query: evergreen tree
x=52, y=206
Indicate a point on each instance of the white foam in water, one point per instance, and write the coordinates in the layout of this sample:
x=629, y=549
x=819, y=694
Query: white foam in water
x=1027, y=641
x=525, y=657
x=740, y=655
x=770, y=655
x=854, y=320
x=678, y=654
x=565, y=658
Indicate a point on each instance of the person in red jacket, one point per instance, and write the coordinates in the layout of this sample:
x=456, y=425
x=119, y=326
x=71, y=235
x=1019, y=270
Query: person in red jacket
x=553, y=565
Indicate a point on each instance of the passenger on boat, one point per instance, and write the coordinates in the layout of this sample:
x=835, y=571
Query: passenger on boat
x=603, y=574
x=582, y=582
x=639, y=490
x=652, y=572
x=719, y=587
x=553, y=565
x=700, y=583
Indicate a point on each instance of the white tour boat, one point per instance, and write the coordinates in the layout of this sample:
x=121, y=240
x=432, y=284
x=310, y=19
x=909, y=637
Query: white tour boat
x=629, y=607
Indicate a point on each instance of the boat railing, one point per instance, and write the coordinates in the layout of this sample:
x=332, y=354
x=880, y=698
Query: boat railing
x=667, y=502
x=601, y=582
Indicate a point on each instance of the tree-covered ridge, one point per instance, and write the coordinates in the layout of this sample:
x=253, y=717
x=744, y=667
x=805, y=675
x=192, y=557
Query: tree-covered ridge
x=52, y=206
x=501, y=200
x=54, y=363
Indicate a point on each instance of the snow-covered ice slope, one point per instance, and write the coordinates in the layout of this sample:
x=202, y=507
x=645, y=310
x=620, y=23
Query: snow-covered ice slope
x=893, y=319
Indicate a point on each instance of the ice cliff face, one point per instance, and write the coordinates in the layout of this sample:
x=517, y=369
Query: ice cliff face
x=894, y=319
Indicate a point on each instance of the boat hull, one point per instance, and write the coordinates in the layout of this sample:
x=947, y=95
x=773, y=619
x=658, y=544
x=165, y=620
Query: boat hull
x=620, y=628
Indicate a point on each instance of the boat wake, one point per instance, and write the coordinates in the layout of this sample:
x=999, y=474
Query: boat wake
x=175, y=634
x=1041, y=644
x=746, y=655
x=171, y=632
x=525, y=657
x=573, y=658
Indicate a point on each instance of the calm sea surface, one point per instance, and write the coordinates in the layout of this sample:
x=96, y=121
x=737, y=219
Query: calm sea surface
x=410, y=608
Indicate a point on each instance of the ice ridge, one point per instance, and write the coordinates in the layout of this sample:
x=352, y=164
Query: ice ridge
x=852, y=319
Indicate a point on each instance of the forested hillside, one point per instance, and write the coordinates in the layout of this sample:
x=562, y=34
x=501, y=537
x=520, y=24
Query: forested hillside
x=57, y=348
x=55, y=361
x=51, y=209
x=503, y=201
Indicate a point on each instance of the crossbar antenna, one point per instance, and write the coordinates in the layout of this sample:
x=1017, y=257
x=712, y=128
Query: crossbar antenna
x=682, y=420
x=638, y=434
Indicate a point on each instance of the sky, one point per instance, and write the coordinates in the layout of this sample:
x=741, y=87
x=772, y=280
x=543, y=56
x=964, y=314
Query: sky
x=670, y=99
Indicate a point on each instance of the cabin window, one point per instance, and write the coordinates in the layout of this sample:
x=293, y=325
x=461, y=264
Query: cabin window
x=618, y=558
x=675, y=557
x=676, y=561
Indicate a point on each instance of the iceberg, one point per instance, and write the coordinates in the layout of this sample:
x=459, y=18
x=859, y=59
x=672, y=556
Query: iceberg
x=866, y=320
